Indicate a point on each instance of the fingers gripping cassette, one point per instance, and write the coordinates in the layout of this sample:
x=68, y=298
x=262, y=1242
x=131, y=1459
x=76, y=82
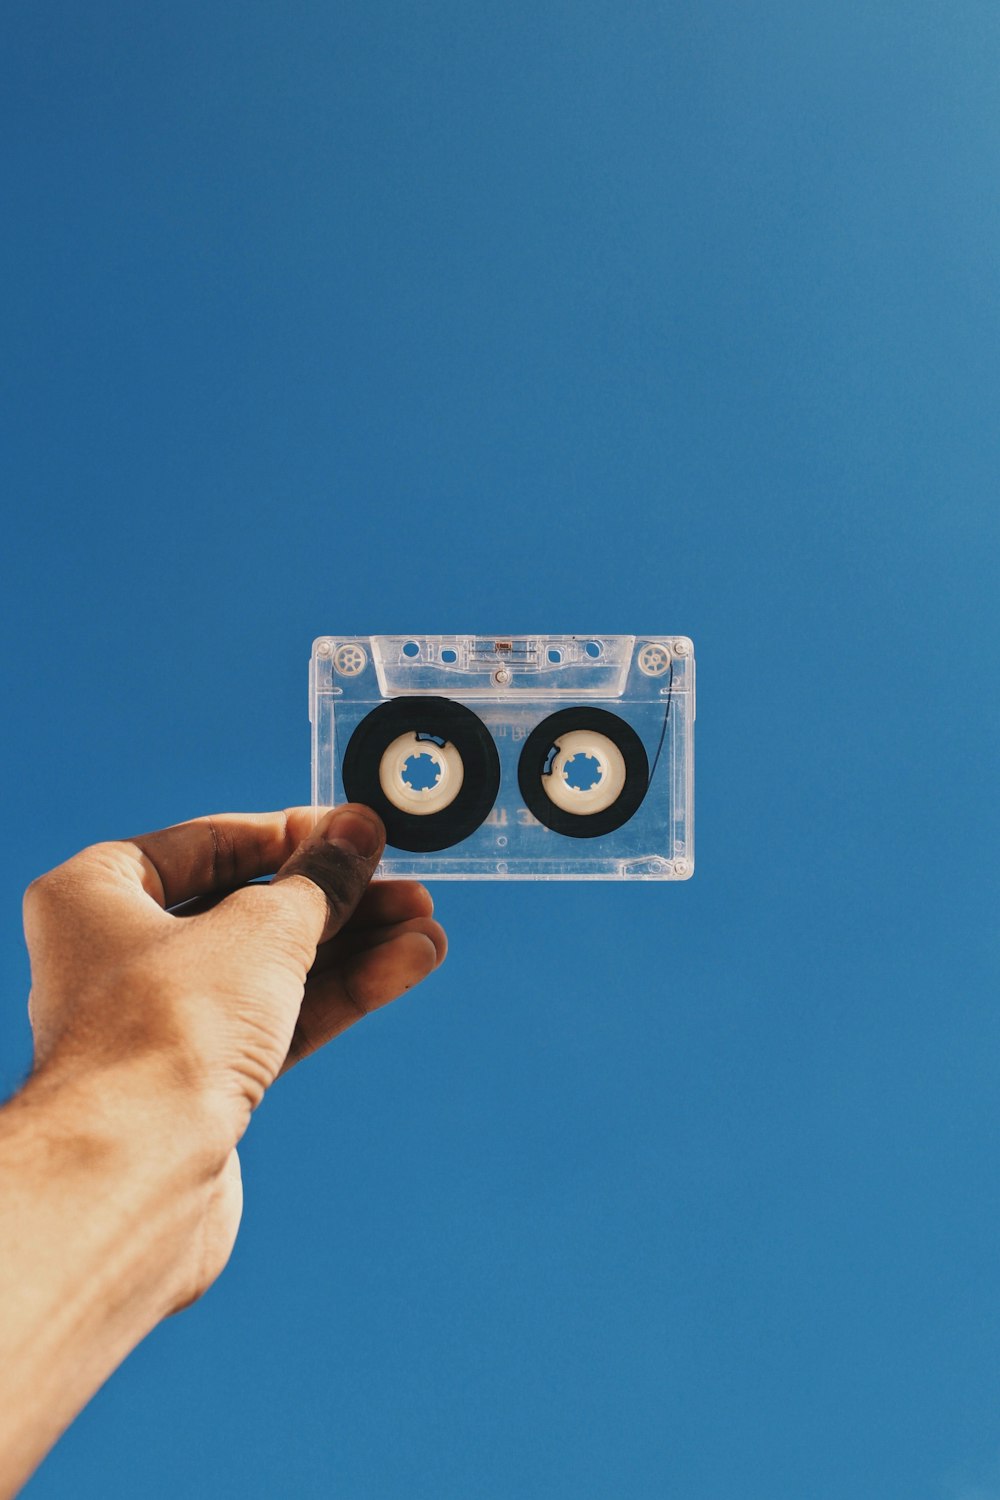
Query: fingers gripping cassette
x=537, y=757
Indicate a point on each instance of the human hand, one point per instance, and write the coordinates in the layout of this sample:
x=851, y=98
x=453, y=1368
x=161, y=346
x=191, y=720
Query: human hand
x=200, y=1009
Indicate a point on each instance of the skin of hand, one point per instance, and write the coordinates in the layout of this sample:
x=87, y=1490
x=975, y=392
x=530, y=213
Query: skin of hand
x=244, y=980
x=169, y=990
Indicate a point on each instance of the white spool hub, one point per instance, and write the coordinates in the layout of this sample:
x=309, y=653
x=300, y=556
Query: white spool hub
x=605, y=790
x=420, y=800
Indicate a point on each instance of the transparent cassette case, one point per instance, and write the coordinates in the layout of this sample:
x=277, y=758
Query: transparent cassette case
x=514, y=685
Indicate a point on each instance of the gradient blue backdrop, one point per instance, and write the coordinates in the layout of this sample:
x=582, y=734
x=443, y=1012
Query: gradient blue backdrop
x=573, y=316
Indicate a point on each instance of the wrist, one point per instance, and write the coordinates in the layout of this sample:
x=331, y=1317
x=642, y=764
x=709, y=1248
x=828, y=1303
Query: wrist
x=137, y=1116
x=144, y=1144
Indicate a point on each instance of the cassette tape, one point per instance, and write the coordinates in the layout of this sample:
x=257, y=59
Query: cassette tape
x=535, y=757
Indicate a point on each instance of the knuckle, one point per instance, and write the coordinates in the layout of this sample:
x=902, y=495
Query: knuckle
x=224, y=856
x=71, y=881
x=338, y=876
x=46, y=891
x=339, y=886
x=35, y=895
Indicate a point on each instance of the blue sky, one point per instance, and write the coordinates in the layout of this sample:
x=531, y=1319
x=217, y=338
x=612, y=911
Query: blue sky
x=571, y=317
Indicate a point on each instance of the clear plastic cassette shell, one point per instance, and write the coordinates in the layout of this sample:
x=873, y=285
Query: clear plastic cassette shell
x=535, y=757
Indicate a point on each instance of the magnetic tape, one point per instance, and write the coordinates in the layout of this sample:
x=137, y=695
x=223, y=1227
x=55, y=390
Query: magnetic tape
x=535, y=757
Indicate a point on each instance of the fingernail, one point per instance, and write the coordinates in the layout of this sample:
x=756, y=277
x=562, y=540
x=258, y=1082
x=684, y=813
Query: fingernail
x=354, y=832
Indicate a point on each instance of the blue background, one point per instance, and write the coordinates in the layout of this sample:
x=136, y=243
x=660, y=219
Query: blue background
x=509, y=316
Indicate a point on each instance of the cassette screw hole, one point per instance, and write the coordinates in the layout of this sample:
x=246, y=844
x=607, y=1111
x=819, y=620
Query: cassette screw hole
x=502, y=841
x=582, y=772
x=421, y=772
x=411, y=649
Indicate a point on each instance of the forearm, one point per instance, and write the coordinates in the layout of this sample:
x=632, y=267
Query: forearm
x=102, y=1198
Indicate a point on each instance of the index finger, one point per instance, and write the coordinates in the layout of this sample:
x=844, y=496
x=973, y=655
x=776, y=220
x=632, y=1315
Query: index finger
x=219, y=852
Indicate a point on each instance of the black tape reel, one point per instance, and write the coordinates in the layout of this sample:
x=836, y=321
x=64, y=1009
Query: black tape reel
x=612, y=798
x=379, y=770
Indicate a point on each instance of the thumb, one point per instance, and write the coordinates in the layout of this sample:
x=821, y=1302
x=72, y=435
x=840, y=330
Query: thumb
x=323, y=881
